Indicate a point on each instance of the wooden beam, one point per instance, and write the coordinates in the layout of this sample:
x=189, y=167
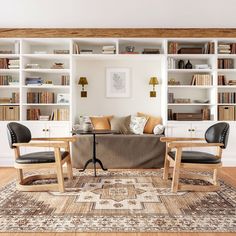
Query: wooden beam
x=118, y=32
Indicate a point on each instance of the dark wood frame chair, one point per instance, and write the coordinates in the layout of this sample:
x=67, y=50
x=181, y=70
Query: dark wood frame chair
x=215, y=136
x=20, y=136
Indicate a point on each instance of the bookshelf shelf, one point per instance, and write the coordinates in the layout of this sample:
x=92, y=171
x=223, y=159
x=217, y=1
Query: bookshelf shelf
x=47, y=87
x=190, y=104
x=190, y=70
x=190, y=86
x=57, y=71
x=45, y=104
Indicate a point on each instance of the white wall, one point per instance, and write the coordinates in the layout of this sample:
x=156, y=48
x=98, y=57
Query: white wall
x=98, y=104
x=117, y=13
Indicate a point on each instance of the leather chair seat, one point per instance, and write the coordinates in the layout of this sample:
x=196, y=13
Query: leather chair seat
x=39, y=157
x=196, y=157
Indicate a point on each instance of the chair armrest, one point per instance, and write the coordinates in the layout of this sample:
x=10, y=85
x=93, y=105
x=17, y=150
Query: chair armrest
x=43, y=144
x=65, y=139
x=171, y=139
x=182, y=145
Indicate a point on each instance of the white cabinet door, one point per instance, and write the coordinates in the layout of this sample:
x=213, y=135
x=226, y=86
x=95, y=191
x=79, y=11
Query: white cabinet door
x=58, y=130
x=37, y=131
x=178, y=130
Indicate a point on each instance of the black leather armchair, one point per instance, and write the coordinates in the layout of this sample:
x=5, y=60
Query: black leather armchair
x=20, y=136
x=215, y=136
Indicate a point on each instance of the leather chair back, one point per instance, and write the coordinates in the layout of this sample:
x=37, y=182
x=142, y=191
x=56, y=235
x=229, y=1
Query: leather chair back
x=17, y=133
x=218, y=133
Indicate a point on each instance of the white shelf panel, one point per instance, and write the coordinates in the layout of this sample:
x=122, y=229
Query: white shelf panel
x=191, y=104
x=226, y=70
x=190, y=70
x=9, y=104
x=226, y=104
x=45, y=104
x=56, y=71
x=191, y=86
x=48, y=87
x=191, y=56
x=9, y=87
x=226, y=55
x=9, y=56
x=227, y=86
x=10, y=71
x=47, y=56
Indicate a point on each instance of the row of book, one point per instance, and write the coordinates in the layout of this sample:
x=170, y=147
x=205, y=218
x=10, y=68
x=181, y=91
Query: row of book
x=15, y=97
x=6, y=63
x=191, y=48
x=40, y=97
x=9, y=113
x=227, y=97
x=109, y=49
x=61, y=114
x=201, y=79
x=170, y=97
x=65, y=80
x=226, y=63
x=5, y=79
x=227, y=48
x=221, y=80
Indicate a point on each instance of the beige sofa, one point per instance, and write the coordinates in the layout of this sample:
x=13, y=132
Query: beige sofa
x=120, y=151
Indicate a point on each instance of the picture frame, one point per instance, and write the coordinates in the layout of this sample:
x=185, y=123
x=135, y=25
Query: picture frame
x=63, y=98
x=118, y=82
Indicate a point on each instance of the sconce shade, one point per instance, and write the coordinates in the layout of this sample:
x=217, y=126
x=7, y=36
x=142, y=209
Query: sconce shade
x=83, y=81
x=153, y=81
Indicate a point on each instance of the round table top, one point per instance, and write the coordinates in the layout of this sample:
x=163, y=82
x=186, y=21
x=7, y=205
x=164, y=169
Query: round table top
x=94, y=131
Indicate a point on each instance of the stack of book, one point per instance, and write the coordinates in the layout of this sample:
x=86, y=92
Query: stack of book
x=6, y=52
x=221, y=80
x=201, y=66
x=33, y=81
x=13, y=64
x=151, y=51
x=209, y=48
x=5, y=79
x=232, y=82
x=224, y=48
x=33, y=114
x=227, y=97
x=4, y=63
x=206, y=114
x=65, y=80
x=44, y=118
x=86, y=51
x=226, y=63
x=40, y=97
x=15, y=98
x=32, y=66
x=109, y=49
x=60, y=51
x=201, y=79
x=60, y=114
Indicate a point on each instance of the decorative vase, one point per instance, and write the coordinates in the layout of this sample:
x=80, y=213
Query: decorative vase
x=87, y=126
x=181, y=64
x=188, y=65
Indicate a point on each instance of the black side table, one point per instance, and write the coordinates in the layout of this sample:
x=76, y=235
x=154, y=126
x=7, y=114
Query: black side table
x=94, y=158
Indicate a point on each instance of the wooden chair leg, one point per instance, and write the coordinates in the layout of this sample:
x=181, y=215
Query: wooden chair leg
x=175, y=179
x=20, y=175
x=166, y=168
x=60, y=177
x=215, y=177
x=69, y=169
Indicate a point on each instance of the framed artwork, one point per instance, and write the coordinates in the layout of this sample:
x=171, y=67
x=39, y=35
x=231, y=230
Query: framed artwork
x=63, y=98
x=118, y=82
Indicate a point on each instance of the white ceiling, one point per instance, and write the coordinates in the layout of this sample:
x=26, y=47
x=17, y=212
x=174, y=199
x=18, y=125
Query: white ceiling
x=118, y=13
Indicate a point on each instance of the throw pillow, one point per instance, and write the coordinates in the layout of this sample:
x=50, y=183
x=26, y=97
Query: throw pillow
x=120, y=124
x=100, y=123
x=137, y=124
x=152, y=121
x=159, y=129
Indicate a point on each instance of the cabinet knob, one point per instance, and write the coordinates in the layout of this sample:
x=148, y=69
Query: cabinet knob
x=47, y=130
x=44, y=130
x=189, y=130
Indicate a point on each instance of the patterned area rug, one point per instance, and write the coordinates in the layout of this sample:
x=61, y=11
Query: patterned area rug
x=118, y=201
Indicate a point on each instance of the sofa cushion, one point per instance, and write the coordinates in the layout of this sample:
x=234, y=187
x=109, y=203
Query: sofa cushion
x=137, y=124
x=120, y=124
x=152, y=121
x=101, y=123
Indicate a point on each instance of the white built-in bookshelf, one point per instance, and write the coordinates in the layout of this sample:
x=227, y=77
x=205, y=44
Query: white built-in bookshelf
x=37, y=58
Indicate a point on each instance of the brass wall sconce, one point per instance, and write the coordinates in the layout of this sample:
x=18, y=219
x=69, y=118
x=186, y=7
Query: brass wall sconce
x=83, y=81
x=153, y=81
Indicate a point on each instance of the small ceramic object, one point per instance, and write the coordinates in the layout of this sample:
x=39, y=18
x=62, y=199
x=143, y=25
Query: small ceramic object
x=87, y=126
x=181, y=64
x=129, y=48
x=188, y=65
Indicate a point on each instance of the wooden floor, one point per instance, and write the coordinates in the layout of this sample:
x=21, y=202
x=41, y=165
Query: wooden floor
x=7, y=174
